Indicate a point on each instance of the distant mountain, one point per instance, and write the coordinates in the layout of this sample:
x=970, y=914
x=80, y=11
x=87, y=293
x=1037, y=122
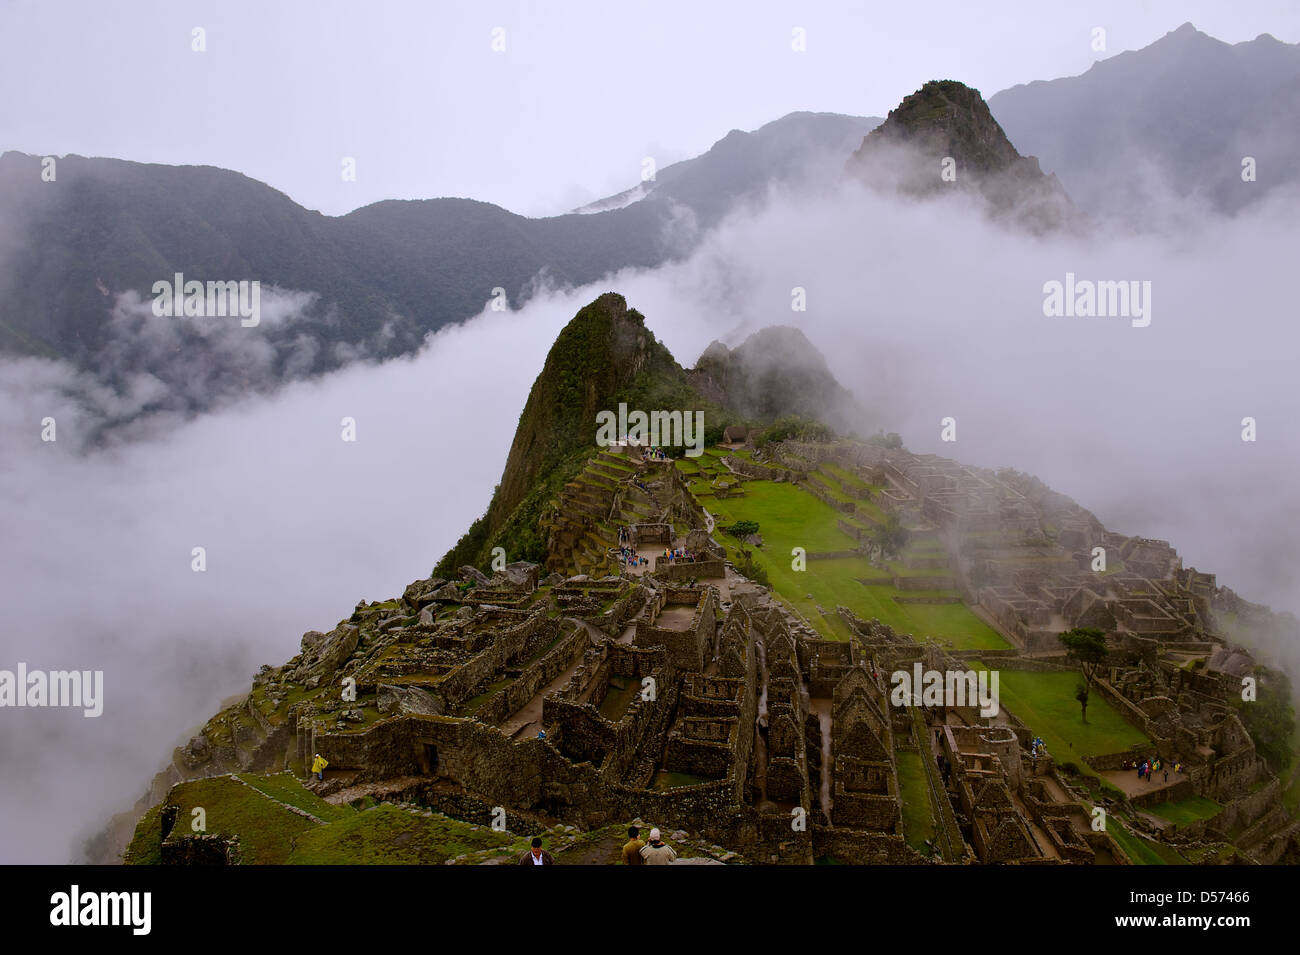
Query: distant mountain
x=797, y=147
x=383, y=276
x=943, y=138
x=1173, y=119
x=776, y=371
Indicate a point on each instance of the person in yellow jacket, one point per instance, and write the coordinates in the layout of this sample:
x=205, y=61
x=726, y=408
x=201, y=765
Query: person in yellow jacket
x=318, y=766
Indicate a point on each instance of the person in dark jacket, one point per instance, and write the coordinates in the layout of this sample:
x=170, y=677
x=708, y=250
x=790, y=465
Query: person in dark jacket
x=536, y=855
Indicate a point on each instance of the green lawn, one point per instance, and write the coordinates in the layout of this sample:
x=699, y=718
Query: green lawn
x=1183, y=811
x=1045, y=701
x=789, y=516
x=1141, y=851
x=918, y=821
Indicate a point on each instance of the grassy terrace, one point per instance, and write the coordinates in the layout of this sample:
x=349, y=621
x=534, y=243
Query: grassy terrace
x=270, y=834
x=789, y=516
x=287, y=788
x=1183, y=811
x=266, y=829
x=1045, y=701
x=387, y=835
x=1142, y=851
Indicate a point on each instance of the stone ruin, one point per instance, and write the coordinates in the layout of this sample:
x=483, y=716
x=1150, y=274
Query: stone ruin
x=588, y=694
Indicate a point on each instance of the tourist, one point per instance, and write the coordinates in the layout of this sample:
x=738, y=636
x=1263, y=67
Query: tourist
x=318, y=766
x=1166, y=775
x=657, y=852
x=632, y=850
x=536, y=855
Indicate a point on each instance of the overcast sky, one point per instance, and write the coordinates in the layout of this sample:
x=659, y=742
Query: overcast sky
x=581, y=93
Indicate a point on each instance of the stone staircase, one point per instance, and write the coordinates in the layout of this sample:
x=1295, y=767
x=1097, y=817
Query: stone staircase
x=592, y=507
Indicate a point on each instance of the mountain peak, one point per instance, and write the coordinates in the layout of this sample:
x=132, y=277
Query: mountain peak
x=943, y=137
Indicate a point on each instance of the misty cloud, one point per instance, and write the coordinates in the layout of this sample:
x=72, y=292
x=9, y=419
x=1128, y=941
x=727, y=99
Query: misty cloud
x=923, y=310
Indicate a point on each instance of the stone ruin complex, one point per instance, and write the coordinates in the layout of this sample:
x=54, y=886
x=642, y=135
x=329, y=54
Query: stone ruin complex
x=679, y=692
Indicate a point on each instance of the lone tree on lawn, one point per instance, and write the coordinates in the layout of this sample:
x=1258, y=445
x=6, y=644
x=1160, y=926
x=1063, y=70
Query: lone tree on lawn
x=890, y=537
x=1086, y=646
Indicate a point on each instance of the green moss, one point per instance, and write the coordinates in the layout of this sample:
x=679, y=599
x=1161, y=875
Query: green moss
x=387, y=835
x=287, y=788
x=146, y=845
x=266, y=829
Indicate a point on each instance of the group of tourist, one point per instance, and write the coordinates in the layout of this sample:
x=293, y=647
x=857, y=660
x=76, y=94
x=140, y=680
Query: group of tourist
x=635, y=852
x=1148, y=766
x=654, y=852
x=654, y=454
x=631, y=558
x=674, y=554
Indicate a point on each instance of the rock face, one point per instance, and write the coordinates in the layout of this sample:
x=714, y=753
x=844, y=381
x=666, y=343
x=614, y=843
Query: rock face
x=521, y=575
x=406, y=699
x=943, y=138
x=474, y=575
x=323, y=653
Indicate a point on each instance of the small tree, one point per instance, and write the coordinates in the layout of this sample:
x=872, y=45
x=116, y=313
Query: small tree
x=890, y=537
x=742, y=529
x=1086, y=646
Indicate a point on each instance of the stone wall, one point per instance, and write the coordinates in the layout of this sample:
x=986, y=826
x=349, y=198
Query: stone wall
x=686, y=570
x=531, y=680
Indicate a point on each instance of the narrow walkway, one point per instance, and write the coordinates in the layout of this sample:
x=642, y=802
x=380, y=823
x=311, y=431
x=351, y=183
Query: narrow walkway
x=528, y=719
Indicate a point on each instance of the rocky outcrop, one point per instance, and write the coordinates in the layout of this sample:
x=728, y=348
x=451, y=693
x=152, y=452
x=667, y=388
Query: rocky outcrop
x=323, y=653
x=943, y=138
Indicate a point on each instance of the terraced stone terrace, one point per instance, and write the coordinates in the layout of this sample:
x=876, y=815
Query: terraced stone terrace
x=789, y=516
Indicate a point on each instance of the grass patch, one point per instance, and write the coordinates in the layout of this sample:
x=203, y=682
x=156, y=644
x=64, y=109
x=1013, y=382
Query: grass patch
x=618, y=695
x=1045, y=701
x=386, y=835
x=789, y=516
x=266, y=829
x=287, y=788
x=666, y=780
x=146, y=845
x=1142, y=851
x=1183, y=811
x=914, y=790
